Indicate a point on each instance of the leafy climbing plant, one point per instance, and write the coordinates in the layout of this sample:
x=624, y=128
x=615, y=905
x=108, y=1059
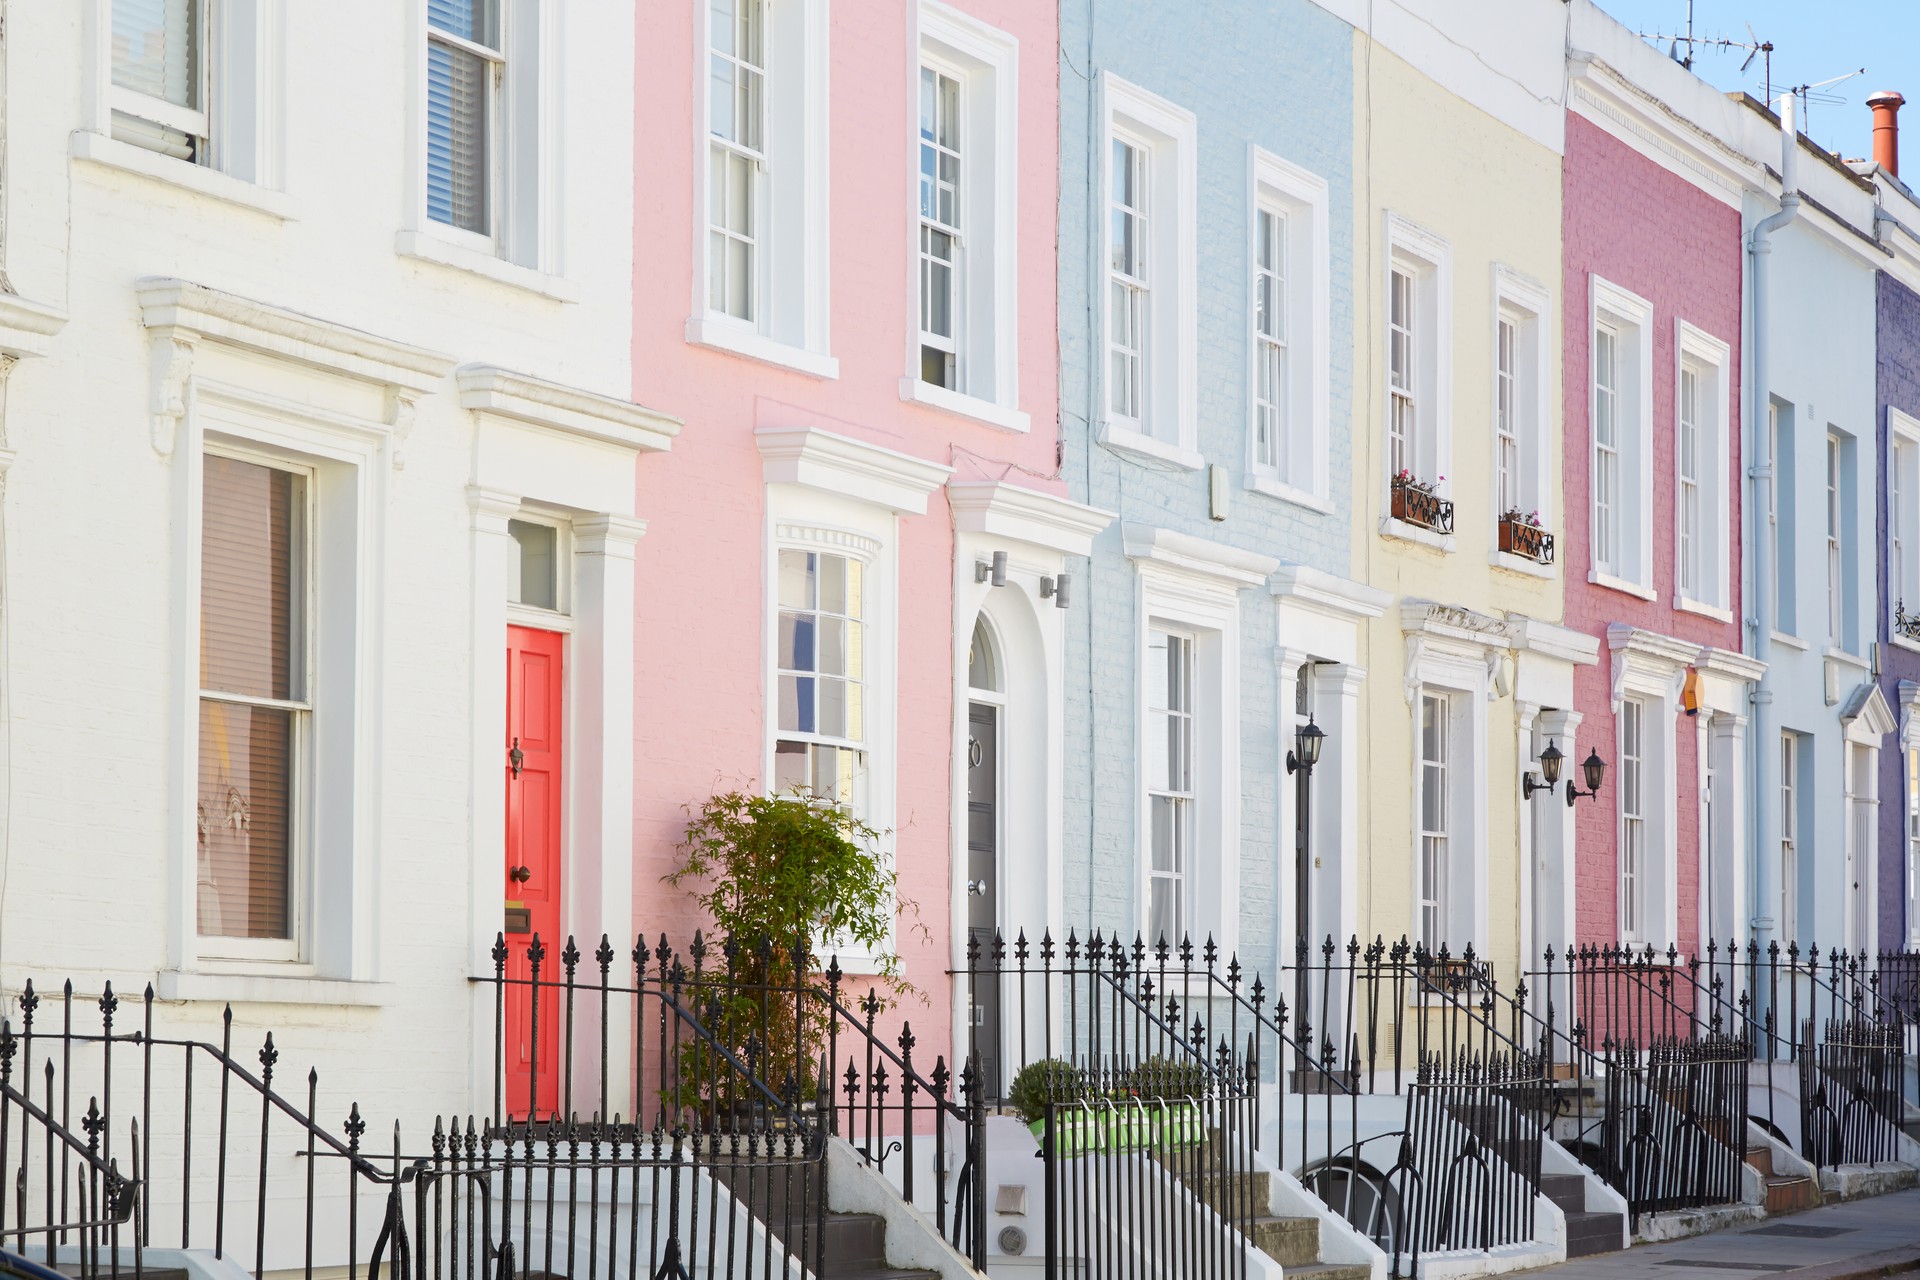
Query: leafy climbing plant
x=786, y=880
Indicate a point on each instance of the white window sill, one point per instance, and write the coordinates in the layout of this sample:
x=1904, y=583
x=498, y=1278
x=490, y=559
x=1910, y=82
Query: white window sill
x=1520, y=564
x=111, y=153
x=1902, y=642
x=253, y=986
x=1275, y=488
x=1685, y=604
x=726, y=335
x=1847, y=659
x=1391, y=528
x=1126, y=440
x=915, y=391
x=1789, y=640
x=1612, y=583
x=425, y=246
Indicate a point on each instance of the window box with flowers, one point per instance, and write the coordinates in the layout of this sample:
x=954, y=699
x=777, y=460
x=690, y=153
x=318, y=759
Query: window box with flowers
x=1522, y=534
x=1417, y=502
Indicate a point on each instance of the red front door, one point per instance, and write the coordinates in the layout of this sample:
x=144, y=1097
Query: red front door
x=535, y=795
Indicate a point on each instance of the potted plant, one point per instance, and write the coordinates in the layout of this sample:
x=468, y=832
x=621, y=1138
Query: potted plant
x=1521, y=534
x=1169, y=1090
x=1416, y=501
x=782, y=877
x=1056, y=1084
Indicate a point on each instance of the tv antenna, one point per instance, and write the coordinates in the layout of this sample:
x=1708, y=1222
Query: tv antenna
x=1691, y=44
x=1812, y=93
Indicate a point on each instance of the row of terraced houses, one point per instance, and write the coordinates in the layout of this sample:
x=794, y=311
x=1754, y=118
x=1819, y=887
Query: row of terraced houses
x=1326, y=530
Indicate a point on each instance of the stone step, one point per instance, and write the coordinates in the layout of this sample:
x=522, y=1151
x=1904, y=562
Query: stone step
x=1568, y=1190
x=1591, y=1233
x=1330, y=1271
x=1291, y=1242
x=1786, y=1194
x=1761, y=1158
x=856, y=1239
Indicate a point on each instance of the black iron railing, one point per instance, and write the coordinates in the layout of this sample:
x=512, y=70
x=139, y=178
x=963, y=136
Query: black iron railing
x=1674, y=1132
x=754, y=1034
x=1851, y=1106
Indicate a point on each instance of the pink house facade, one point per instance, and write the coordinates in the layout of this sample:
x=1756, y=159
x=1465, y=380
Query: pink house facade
x=1652, y=464
x=844, y=278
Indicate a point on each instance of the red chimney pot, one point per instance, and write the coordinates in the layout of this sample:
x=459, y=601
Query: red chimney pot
x=1886, y=129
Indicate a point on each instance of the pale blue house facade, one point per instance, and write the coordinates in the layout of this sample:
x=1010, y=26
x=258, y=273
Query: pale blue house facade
x=1206, y=321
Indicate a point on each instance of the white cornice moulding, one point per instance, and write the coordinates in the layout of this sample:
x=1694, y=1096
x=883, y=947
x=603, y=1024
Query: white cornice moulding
x=1019, y=514
x=1726, y=662
x=185, y=308
x=1454, y=622
x=848, y=468
x=1867, y=707
x=1337, y=597
x=26, y=326
x=1601, y=94
x=1551, y=640
x=1197, y=559
x=555, y=407
x=1652, y=646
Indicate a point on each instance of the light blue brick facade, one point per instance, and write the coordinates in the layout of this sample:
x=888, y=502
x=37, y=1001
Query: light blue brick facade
x=1276, y=74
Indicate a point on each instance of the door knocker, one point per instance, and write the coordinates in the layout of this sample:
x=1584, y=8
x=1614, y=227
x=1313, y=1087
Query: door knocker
x=516, y=757
x=974, y=754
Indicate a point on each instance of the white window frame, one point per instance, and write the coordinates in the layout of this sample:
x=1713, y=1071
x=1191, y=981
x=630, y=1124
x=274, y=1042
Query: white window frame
x=793, y=308
x=302, y=774
x=1456, y=661
x=1629, y=317
x=1427, y=259
x=851, y=550
x=1430, y=896
x=1791, y=807
x=523, y=246
x=1710, y=360
x=1650, y=669
x=986, y=62
x=1835, y=542
x=832, y=493
x=1523, y=302
x=1903, y=519
x=1188, y=799
x=1192, y=586
x=1302, y=199
x=1910, y=756
x=332, y=898
x=242, y=120
x=1783, y=519
x=1168, y=429
x=1632, y=843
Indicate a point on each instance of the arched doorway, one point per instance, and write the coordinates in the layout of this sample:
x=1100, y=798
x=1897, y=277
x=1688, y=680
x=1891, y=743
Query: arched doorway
x=986, y=707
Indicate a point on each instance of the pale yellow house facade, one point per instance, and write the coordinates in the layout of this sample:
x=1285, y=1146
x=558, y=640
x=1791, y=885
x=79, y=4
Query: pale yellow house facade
x=1457, y=414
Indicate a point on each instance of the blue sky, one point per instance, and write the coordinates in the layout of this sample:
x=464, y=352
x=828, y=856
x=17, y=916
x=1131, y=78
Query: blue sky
x=1813, y=40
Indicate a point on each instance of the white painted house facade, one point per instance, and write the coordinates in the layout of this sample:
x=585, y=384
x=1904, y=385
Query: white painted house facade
x=316, y=372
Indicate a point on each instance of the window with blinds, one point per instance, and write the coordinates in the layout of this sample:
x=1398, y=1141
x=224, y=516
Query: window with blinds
x=254, y=703
x=465, y=62
x=158, y=51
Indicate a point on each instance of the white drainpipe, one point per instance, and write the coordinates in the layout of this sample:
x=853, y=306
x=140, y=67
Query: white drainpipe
x=1766, y=756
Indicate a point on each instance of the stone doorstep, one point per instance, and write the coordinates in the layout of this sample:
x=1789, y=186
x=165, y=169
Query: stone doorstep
x=1786, y=1192
x=1292, y=1242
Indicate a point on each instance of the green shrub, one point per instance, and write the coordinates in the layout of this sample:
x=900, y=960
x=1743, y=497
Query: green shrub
x=1168, y=1078
x=1050, y=1080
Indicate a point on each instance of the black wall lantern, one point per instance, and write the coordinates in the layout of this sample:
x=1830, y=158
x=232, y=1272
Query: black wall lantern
x=1307, y=740
x=1595, y=771
x=1549, y=775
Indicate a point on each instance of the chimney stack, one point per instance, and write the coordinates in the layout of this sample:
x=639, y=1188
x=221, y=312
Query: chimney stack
x=1886, y=129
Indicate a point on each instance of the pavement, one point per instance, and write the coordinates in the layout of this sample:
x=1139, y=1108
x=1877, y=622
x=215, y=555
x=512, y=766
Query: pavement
x=1859, y=1240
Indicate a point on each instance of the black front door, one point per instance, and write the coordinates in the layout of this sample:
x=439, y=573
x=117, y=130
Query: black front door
x=983, y=884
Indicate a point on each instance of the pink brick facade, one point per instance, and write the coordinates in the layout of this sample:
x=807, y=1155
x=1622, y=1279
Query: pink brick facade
x=1637, y=225
x=703, y=564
